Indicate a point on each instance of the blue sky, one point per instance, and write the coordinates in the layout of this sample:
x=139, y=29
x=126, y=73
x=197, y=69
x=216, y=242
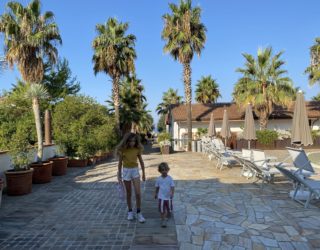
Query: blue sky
x=233, y=27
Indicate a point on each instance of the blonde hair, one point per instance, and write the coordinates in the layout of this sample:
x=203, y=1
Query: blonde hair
x=163, y=166
x=124, y=143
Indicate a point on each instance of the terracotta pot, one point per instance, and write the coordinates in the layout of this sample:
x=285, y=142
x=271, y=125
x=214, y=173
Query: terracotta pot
x=59, y=166
x=165, y=150
x=77, y=163
x=19, y=182
x=42, y=172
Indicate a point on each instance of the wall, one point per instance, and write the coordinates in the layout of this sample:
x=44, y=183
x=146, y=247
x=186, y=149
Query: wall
x=5, y=159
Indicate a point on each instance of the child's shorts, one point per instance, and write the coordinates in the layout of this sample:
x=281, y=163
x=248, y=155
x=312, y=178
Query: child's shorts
x=128, y=174
x=165, y=206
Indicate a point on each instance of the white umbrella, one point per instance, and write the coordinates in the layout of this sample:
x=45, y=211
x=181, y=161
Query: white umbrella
x=301, y=133
x=249, y=132
x=225, y=129
x=212, y=127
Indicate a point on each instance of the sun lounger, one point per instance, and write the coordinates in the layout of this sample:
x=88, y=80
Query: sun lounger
x=262, y=162
x=301, y=183
x=301, y=161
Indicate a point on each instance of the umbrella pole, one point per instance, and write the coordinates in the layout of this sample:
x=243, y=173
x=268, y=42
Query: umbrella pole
x=225, y=142
x=248, y=144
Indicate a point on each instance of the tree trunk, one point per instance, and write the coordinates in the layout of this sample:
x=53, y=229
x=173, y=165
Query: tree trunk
x=188, y=96
x=47, y=128
x=116, y=100
x=36, y=112
x=263, y=119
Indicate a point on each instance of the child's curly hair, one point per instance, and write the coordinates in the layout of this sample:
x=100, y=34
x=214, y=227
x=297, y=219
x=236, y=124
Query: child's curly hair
x=163, y=166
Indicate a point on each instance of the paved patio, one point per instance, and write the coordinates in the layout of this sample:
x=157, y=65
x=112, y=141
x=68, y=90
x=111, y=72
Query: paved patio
x=213, y=210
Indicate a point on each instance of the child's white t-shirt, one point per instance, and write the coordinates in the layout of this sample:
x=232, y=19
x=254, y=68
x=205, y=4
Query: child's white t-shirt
x=164, y=185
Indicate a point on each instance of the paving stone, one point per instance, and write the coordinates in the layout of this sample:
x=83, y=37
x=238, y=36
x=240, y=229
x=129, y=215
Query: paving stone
x=83, y=211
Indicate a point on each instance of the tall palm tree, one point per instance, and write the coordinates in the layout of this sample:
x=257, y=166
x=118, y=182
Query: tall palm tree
x=314, y=69
x=114, y=54
x=2, y=64
x=168, y=98
x=263, y=84
x=185, y=35
x=30, y=38
x=207, y=90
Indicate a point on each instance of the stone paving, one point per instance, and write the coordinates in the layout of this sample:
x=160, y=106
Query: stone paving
x=212, y=210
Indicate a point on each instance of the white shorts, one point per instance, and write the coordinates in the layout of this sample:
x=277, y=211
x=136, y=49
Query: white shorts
x=128, y=174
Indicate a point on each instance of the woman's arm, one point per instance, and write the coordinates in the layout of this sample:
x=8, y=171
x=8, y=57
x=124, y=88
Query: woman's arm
x=142, y=167
x=119, y=167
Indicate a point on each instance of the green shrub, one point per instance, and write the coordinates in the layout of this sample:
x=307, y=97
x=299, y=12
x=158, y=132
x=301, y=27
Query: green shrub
x=202, y=131
x=164, y=136
x=266, y=137
x=315, y=134
x=83, y=126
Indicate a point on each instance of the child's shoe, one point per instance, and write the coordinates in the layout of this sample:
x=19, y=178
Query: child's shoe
x=130, y=216
x=141, y=219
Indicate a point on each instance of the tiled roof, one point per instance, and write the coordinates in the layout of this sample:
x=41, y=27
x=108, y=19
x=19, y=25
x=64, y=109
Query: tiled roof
x=201, y=112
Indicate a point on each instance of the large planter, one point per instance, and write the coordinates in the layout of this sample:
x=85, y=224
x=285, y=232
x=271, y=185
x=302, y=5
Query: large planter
x=281, y=144
x=264, y=146
x=59, y=166
x=42, y=172
x=19, y=182
x=77, y=163
x=165, y=150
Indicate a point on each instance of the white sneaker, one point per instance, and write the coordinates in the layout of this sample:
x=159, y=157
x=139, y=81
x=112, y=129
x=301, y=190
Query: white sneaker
x=130, y=216
x=141, y=219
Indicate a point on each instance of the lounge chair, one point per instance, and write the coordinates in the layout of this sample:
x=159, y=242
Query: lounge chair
x=301, y=161
x=263, y=162
x=312, y=186
x=263, y=174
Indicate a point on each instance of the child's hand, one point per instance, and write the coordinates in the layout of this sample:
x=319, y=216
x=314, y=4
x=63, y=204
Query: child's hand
x=143, y=177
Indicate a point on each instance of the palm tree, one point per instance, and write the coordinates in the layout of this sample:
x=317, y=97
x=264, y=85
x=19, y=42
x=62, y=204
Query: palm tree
x=2, y=64
x=185, y=35
x=207, y=90
x=169, y=98
x=114, y=54
x=30, y=38
x=314, y=69
x=263, y=84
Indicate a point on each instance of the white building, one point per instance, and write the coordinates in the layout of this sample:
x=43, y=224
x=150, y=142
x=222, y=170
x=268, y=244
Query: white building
x=281, y=118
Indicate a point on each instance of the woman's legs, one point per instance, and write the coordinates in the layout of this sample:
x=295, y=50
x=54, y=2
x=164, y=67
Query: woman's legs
x=128, y=191
x=137, y=191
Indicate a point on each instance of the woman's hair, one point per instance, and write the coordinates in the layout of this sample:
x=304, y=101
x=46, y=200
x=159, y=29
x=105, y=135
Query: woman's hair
x=163, y=166
x=124, y=143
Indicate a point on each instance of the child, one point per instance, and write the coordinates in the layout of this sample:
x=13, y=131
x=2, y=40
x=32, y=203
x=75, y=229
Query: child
x=164, y=192
x=129, y=151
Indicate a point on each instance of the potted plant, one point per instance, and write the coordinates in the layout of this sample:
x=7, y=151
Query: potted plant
x=164, y=140
x=59, y=161
x=19, y=178
x=165, y=147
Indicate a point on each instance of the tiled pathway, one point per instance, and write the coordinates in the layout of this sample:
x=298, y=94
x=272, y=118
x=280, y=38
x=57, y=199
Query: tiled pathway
x=213, y=210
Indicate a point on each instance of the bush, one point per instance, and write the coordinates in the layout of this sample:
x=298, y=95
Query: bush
x=163, y=137
x=266, y=137
x=83, y=126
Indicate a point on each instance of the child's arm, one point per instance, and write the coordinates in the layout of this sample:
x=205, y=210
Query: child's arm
x=171, y=192
x=156, y=193
x=119, y=167
x=142, y=167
